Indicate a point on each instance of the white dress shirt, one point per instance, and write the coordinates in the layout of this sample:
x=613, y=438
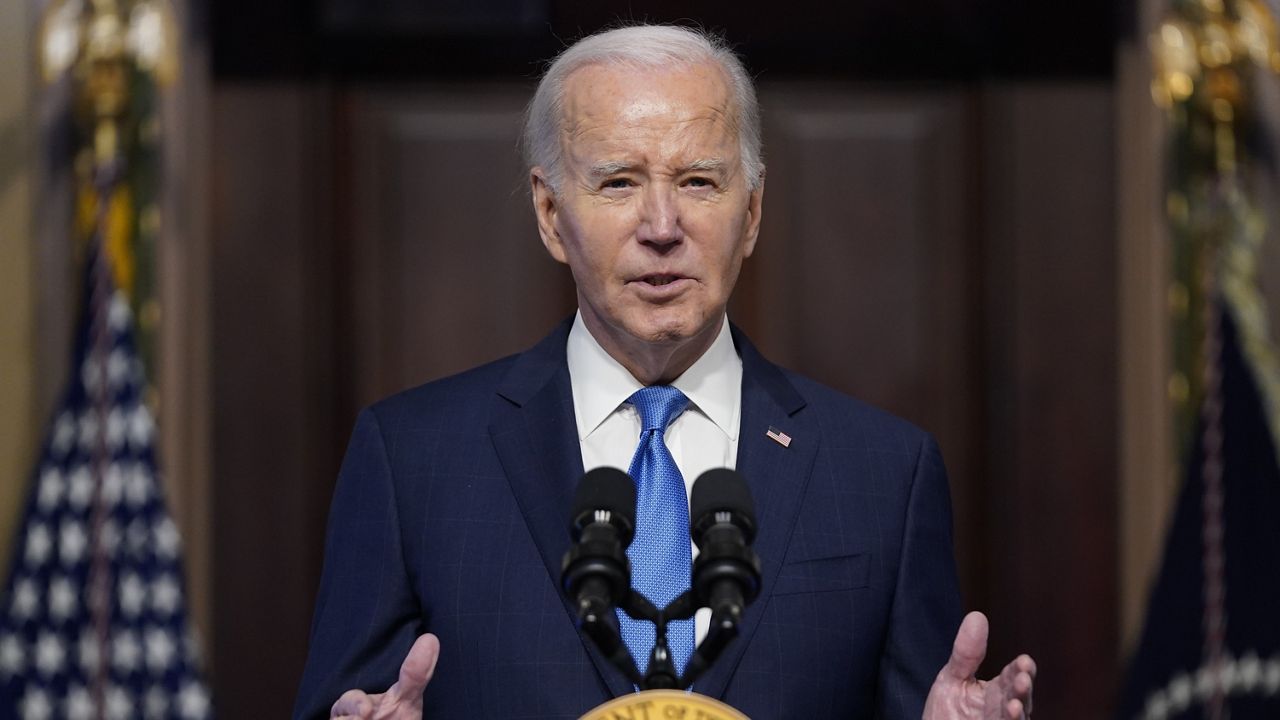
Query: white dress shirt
x=703, y=437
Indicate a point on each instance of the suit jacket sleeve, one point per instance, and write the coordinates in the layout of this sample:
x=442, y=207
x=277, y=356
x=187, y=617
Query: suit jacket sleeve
x=926, y=604
x=367, y=615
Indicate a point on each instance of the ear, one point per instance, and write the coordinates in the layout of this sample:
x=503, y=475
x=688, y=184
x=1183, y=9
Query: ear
x=755, y=204
x=546, y=207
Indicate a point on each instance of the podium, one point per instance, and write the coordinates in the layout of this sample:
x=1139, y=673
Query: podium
x=663, y=704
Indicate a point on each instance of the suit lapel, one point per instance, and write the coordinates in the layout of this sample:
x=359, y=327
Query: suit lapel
x=777, y=476
x=536, y=438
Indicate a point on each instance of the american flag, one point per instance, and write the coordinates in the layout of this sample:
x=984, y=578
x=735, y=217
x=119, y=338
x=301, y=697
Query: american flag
x=778, y=436
x=93, y=622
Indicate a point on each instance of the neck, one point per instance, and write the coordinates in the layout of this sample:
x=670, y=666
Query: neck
x=652, y=363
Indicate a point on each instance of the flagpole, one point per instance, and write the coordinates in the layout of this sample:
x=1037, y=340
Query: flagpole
x=106, y=100
x=100, y=580
x=1212, y=529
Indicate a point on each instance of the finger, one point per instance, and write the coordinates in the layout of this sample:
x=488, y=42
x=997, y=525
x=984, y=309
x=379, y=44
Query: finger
x=1023, y=670
x=416, y=671
x=1026, y=665
x=969, y=648
x=1026, y=696
x=1013, y=710
x=352, y=704
x=1022, y=667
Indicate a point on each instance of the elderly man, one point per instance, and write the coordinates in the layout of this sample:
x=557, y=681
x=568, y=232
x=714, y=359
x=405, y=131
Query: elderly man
x=449, y=519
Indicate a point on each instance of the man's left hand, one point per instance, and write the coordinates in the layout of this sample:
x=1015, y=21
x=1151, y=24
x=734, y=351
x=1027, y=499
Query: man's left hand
x=958, y=694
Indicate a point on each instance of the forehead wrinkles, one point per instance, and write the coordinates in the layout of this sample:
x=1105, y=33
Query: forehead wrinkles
x=613, y=108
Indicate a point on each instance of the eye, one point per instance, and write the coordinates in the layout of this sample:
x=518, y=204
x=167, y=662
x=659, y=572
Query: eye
x=699, y=182
x=619, y=183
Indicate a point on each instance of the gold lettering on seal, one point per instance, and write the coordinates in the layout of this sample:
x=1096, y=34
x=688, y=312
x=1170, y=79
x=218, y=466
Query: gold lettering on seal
x=664, y=705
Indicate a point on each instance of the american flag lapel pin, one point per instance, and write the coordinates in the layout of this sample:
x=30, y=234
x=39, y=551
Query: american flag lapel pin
x=778, y=436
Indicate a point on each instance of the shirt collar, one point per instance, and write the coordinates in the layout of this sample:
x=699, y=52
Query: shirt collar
x=600, y=384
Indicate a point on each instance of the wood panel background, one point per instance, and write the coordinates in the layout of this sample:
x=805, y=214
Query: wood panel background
x=19, y=421
x=1051, y=363
x=446, y=269
x=946, y=252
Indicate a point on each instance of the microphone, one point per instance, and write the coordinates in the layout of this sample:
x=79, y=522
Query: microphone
x=595, y=573
x=726, y=574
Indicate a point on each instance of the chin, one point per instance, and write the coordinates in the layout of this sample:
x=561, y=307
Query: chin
x=668, y=328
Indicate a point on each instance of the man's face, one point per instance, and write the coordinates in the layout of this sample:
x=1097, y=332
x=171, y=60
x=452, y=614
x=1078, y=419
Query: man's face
x=654, y=215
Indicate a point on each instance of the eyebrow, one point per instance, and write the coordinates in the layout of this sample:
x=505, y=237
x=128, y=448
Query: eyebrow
x=613, y=167
x=609, y=167
x=713, y=164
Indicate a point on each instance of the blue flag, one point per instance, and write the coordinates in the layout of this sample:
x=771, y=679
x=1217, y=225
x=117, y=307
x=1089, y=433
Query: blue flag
x=93, y=621
x=1211, y=644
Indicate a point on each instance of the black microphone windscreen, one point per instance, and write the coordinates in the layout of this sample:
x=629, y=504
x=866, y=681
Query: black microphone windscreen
x=721, y=489
x=606, y=488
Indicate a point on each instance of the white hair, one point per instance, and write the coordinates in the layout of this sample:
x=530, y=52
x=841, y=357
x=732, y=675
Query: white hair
x=639, y=46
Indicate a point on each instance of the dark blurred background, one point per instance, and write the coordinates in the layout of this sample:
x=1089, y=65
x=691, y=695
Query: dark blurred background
x=959, y=226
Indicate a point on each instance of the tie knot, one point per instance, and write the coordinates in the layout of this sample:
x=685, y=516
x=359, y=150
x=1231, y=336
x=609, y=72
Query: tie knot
x=658, y=405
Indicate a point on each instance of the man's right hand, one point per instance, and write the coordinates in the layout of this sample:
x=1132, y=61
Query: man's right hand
x=402, y=701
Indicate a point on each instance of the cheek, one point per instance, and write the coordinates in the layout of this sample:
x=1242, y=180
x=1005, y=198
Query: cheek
x=598, y=244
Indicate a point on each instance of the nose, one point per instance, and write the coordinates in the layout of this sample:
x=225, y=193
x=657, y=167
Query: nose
x=660, y=217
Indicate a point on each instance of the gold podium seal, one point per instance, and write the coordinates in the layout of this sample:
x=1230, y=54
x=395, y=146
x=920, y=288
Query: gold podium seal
x=664, y=705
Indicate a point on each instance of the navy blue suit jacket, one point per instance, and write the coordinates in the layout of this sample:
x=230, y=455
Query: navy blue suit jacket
x=451, y=514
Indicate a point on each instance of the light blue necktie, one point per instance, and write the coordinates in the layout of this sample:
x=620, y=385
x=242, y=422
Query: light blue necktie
x=661, y=566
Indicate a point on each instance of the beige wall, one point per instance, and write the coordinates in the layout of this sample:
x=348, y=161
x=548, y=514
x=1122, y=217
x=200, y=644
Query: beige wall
x=18, y=426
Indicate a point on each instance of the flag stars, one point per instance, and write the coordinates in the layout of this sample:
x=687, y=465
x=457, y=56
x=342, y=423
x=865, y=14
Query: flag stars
x=118, y=367
x=165, y=595
x=49, y=646
x=156, y=704
x=126, y=652
x=137, y=485
x=141, y=427
x=1270, y=677
x=193, y=702
x=26, y=599
x=88, y=430
x=116, y=428
x=13, y=655
x=112, y=485
x=64, y=601
x=135, y=538
x=79, y=704
x=64, y=434
x=160, y=650
x=91, y=378
x=119, y=703
x=72, y=542
x=50, y=654
x=80, y=488
x=36, y=705
x=52, y=486
x=118, y=314
x=133, y=593
x=166, y=538
x=39, y=544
